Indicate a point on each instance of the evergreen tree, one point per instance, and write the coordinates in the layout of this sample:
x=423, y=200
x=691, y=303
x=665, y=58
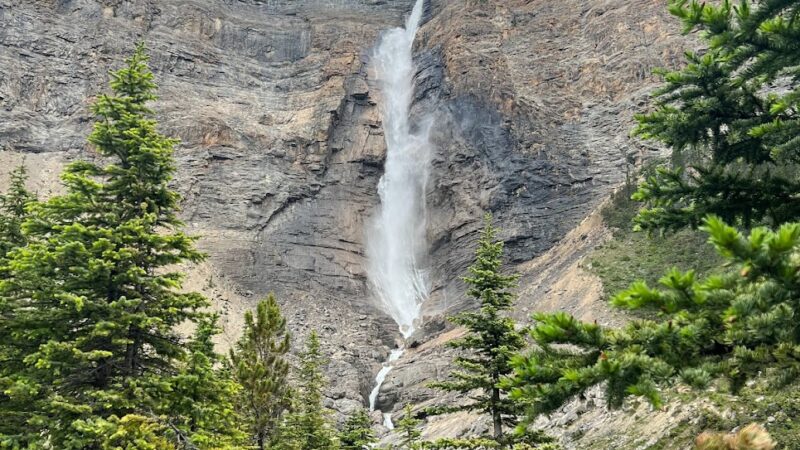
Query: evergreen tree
x=491, y=337
x=13, y=212
x=132, y=432
x=91, y=301
x=357, y=432
x=14, y=396
x=734, y=139
x=202, y=408
x=731, y=327
x=408, y=428
x=260, y=366
x=307, y=426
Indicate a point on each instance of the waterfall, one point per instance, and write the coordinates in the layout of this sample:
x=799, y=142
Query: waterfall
x=396, y=238
x=373, y=396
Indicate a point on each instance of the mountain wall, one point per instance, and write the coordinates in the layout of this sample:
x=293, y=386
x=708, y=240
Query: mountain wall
x=282, y=144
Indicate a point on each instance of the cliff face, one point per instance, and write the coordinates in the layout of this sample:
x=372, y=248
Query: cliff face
x=281, y=142
x=282, y=146
x=533, y=103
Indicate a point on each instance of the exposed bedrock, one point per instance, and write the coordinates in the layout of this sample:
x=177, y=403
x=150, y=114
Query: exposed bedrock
x=282, y=142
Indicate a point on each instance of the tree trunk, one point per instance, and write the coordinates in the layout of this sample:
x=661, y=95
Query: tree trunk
x=132, y=351
x=496, y=419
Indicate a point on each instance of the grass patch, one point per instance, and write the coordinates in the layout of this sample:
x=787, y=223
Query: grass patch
x=630, y=256
x=778, y=409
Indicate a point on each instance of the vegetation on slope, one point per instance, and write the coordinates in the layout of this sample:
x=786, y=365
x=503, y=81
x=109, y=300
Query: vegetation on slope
x=90, y=357
x=631, y=256
x=734, y=141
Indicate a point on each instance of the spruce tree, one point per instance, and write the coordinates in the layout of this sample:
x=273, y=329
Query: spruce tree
x=259, y=364
x=408, y=428
x=202, y=407
x=491, y=337
x=91, y=301
x=733, y=137
x=307, y=425
x=15, y=393
x=357, y=433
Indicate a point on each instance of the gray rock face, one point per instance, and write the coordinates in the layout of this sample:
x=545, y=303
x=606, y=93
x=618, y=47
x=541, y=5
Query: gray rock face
x=282, y=143
x=281, y=147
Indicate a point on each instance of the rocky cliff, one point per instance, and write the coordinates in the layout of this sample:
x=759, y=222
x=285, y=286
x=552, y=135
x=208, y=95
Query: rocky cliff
x=282, y=145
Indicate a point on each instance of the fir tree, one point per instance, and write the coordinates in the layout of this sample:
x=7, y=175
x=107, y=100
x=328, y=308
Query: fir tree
x=91, y=301
x=734, y=139
x=491, y=337
x=260, y=366
x=408, y=428
x=730, y=327
x=357, y=432
x=307, y=426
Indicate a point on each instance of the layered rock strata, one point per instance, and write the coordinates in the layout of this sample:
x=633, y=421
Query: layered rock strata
x=282, y=142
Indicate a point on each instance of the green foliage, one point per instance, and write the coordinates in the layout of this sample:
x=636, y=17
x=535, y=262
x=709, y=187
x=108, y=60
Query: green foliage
x=483, y=444
x=734, y=139
x=462, y=444
x=619, y=212
x=732, y=326
x=14, y=394
x=307, y=425
x=201, y=410
x=260, y=366
x=408, y=429
x=491, y=337
x=13, y=212
x=357, y=434
x=131, y=432
x=90, y=305
x=630, y=256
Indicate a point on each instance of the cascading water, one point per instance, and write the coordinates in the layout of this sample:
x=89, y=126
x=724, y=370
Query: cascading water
x=373, y=396
x=396, y=240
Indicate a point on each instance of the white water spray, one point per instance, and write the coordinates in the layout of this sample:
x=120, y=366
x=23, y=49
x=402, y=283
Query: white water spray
x=373, y=396
x=396, y=242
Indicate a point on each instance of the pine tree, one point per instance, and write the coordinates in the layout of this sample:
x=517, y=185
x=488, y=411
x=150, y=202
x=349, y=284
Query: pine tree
x=91, y=301
x=408, y=428
x=357, y=433
x=307, y=426
x=260, y=366
x=729, y=327
x=491, y=337
x=734, y=139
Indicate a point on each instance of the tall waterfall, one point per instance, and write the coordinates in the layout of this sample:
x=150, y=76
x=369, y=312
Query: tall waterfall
x=396, y=240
